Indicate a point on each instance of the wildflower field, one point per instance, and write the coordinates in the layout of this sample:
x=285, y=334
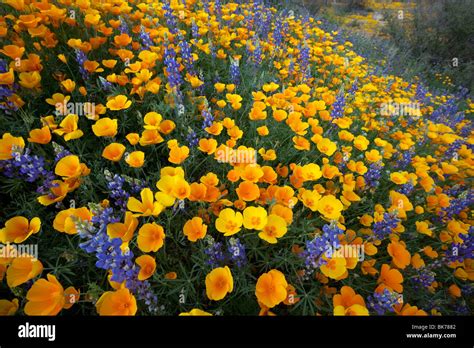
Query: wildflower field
x=190, y=157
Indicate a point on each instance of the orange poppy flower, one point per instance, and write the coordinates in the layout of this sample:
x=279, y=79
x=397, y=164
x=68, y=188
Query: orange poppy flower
x=105, y=127
x=13, y=51
x=18, y=229
x=409, y=310
x=69, y=167
x=195, y=229
x=7, y=78
x=8, y=307
x=120, y=302
x=47, y=297
x=271, y=288
x=229, y=222
x=57, y=193
x=113, y=152
x=195, y=312
x=248, y=191
x=400, y=255
x=119, y=102
x=349, y=303
x=68, y=128
x=22, y=269
x=123, y=230
x=8, y=143
x=147, y=266
x=390, y=278
x=146, y=207
x=30, y=79
x=219, y=282
x=207, y=145
x=65, y=219
x=335, y=267
x=274, y=228
x=135, y=159
x=40, y=136
x=150, y=237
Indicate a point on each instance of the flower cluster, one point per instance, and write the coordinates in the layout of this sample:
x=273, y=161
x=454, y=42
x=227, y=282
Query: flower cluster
x=383, y=302
x=321, y=245
x=209, y=157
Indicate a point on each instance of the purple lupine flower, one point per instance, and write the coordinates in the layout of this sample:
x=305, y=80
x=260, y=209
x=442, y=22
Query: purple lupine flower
x=286, y=28
x=171, y=20
x=142, y=289
x=383, y=302
x=121, y=187
x=461, y=93
x=110, y=256
x=215, y=252
x=218, y=9
x=235, y=72
x=30, y=168
x=59, y=152
x=278, y=33
x=457, y=205
x=212, y=48
x=382, y=229
x=256, y=55
x=257, y=12
x=461, y=251
x=80, y=59
x=205, y=5
x=447, y=114
x=6, y=91
x=467, y=289
x=407, y=188
x=3, y=66
x=145, y=37
x=180, y=205
x=461, y=309
x=106, y=85
x=353, y=88
x=192, y=139
x=23, y=165
x=321, y=245
x=338, y=106
x=95, y=237
x=373, y=175
x=404, y=159
x=421, y=93
x=264, y=29
x=237, y=252
x=423, y=278
x=466, y=130
x=123, y=27
x=208, y=118
x=194, y=29
x=47, y=184
x=186, y=55
x=452, y=150
x=172, y=68
x=117, y=193
x=305, y=69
